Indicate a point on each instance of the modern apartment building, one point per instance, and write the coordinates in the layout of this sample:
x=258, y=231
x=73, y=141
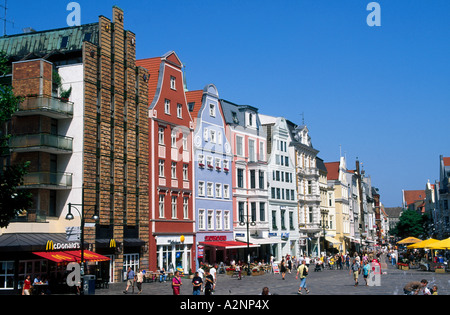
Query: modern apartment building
x=83, y=127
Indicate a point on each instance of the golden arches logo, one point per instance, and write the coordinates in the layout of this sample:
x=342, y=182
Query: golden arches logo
x=50, y=245
x=112, y=243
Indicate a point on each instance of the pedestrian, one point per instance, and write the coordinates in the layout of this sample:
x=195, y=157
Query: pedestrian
x=347, y=261
x=303, y=272
x=26, y=289
x=140, y=280
x=355, y=268
x=265, y=291
x=213, y=272
x=209, y=282
x=366, y=269
x=130, y=280
x=283, y=269
x=176, y=283
x=414, y=287
x=197, y=284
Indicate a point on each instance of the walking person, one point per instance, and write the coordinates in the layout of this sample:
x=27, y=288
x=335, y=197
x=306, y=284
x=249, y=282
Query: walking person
x=176, y=283
x=303, y=272
x=366, y=269
x=140, y=280
x=283, y=269
x=130, y=280
x=26, y=289
x=355, y=268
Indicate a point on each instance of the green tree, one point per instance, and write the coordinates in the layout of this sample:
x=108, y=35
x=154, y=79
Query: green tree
x=13, y=201
x=411, y=223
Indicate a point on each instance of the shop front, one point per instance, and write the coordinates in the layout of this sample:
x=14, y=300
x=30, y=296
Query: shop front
x=43, y=255
x=174, y=252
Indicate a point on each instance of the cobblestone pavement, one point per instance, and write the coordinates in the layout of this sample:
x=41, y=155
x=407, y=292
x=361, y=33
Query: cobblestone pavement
x=327, y=282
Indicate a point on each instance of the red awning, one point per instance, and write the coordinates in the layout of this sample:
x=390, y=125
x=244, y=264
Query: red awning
x=56, y=256
x=88, y=255
x=71, y=256
x=227, y=244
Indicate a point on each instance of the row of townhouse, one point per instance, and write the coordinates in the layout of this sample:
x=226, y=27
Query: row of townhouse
x=434, y=201
x=159, y=175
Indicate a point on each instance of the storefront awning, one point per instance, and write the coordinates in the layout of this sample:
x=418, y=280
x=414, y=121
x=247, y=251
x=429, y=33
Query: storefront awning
x=71, y=256
x=332, y=240
x=227, y=244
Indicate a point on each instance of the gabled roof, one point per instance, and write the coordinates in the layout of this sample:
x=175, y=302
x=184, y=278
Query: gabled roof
x=333, y=170
x=412, y=196
x=152, y=65
x=195, y=97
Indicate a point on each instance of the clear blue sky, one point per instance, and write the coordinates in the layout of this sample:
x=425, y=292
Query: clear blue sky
x=382, y=93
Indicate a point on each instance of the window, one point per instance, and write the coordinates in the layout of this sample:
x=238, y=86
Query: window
x=218, y=190
x=185, y=172
x=309, y=187
x=179, y=110
x=253, y=206
x=261, y=151
x=251, y=150
x=226, y=165
x=274, y=220
x=201, y=188
x=239, y=148
x=310, y=212
x=174, y=170
x=226, y=191
x=161, y=168
x=226, y=220
x=219, y=137
x=218, y=220
x=173, y=138
x=273, y=193
x=172, y=83
x=206, y=134
x=217, y=163
x=262, y=211
x=161, y=135
x=210, y=219
x=161, y=206
x=291, y=220
x=241, y=211
x=174, y=207
x=201, y=160
x=209, y=190
x=252, y=179
x=209, y=161
x=201, y=219
x=186, y=207
x=283, y=214
x=261, y=179
x=213, y=136
x=185, y=142
x=240, y=178
x=6, y=275
x=212, y=110
x=167, y=107
x=235, y=118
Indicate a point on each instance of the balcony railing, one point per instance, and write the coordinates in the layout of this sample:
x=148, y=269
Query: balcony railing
x=41, y=142
x=47, y=180
x=47, y=106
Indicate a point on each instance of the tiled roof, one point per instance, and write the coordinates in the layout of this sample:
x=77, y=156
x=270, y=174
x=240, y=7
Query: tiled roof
x=446, y=161
x=152, y=65
x=333, y=170
x=196, y=98
x=411, y=196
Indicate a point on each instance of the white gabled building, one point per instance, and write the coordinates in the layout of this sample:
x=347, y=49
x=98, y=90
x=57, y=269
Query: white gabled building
x=283, y=214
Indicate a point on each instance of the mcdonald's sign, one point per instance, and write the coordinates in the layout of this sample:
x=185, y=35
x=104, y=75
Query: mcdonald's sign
x=58, y=246
x=112, y=243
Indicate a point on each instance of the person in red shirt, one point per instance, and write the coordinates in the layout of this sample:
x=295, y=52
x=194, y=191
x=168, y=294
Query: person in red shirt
x=26, y=286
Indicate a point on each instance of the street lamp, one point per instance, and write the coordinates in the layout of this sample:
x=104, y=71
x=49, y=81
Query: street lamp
x=324, y=226
x=248, y=223
x=70, y=216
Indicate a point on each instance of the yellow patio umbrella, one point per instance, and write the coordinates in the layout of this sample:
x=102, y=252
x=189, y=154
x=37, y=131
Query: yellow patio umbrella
x=423, y=244
x=409, y=240
x=444, y=244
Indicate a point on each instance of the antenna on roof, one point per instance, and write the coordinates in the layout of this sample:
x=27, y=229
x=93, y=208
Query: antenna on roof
x=4, y=19
x=303, y=118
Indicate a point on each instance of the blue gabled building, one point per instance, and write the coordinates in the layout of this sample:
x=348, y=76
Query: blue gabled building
x=212, y=176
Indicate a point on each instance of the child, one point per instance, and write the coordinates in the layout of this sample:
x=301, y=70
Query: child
x=434, y=290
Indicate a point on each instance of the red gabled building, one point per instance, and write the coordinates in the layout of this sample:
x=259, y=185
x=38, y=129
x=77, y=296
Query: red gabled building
x=171, y=198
